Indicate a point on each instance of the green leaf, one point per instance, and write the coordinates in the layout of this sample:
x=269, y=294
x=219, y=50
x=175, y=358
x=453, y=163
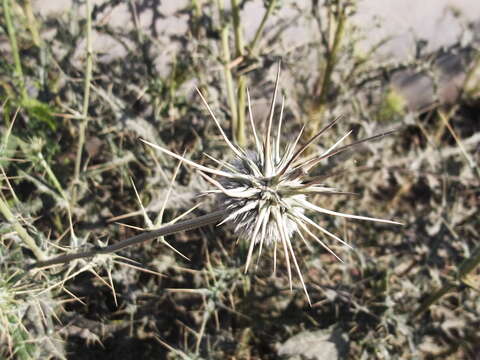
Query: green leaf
x=39, y=111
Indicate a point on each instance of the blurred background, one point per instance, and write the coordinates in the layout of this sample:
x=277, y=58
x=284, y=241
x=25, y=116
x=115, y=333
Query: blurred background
x=82, y=81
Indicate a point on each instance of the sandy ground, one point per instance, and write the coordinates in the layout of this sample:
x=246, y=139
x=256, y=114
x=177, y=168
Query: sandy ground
x=439, y=22
x=403, y=21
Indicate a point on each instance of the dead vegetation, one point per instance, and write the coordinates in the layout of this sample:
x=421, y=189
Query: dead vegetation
x=401, y=293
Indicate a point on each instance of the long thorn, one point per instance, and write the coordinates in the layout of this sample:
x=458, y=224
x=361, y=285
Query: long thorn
x=311, y=163
x=308, y=143
x=229, y=143
x=257, y=141
x=267, y=146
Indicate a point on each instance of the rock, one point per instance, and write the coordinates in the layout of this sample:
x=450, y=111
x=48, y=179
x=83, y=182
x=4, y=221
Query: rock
x=328, y=344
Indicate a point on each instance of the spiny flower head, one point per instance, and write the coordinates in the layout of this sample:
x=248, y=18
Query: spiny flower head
x=265, y=192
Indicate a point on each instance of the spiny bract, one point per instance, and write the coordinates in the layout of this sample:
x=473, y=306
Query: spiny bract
x=264, y=193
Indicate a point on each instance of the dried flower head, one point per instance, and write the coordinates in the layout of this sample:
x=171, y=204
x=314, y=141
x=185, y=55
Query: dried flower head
x=265, y=193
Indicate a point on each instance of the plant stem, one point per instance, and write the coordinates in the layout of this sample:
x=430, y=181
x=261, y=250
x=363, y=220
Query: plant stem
x=239, y=131
x=470, y=84
x=331, y=61
x=237, y=28
x=86, y=99
x=226, y=58
x=258, y=33
x=32, y=23
x=14, y=46
x=197, y=8
x=241, y=107
x=196, y=16
x=52, y=176
x=27, y=239
x=186, y=225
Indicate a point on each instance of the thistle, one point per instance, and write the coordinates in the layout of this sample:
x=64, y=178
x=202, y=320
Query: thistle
x=264, y=193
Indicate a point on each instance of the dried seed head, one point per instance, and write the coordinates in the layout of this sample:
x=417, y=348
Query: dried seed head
x=265, y=192
x=268, y=193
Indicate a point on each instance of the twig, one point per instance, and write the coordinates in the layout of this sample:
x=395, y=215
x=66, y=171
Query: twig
x=237, y=28
x=333, y=47
x=27, y=239
x=86, y=99
x=239, y=131
x=258, y=33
